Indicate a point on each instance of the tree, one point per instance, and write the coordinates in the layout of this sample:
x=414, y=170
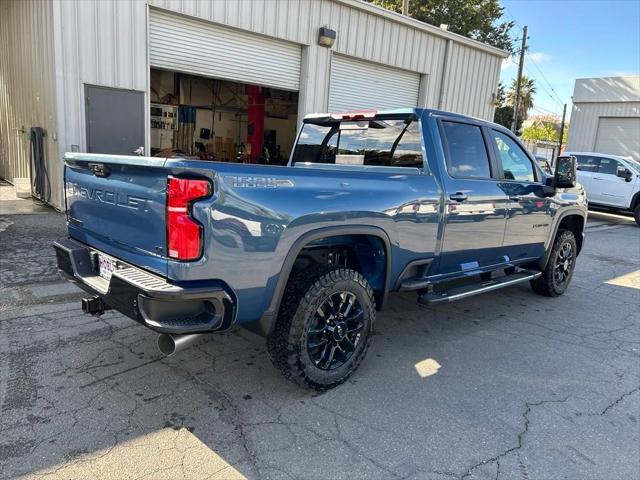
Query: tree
x=476, y=19
x=527, y=91
x=504, y=113
x=545, y=128
x=542, y=132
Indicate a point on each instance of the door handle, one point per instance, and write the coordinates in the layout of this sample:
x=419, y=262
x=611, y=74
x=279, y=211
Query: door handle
x=458, y=197
x=597, y=178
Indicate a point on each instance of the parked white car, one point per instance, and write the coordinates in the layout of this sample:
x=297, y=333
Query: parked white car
x=610, y=181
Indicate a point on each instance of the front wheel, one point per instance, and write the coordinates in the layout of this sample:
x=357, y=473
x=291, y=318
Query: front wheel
x=557, y=274
x=636, y=214
x=324, y=326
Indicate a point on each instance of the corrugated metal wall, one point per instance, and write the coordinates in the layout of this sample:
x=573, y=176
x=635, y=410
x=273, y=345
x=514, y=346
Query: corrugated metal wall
x=584, y=122
x=470, y=81
x=607, y=89
x=27, y=87
x=375, y=37
x=102, y=43
x=105, y=43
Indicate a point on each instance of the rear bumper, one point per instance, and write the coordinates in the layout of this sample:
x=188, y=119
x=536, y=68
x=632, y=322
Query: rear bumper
x=145, y=297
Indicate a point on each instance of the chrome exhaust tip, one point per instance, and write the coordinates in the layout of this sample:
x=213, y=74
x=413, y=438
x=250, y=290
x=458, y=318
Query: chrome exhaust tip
x=169, y=344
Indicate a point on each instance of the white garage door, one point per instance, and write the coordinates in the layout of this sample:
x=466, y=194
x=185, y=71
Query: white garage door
x=356, y=84
x=203, y=48
x=619, y=136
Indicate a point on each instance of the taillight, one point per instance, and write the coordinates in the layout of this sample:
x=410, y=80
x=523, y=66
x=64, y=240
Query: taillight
x=184, y=234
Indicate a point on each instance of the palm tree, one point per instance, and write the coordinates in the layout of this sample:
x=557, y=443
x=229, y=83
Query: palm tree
x=527, y=90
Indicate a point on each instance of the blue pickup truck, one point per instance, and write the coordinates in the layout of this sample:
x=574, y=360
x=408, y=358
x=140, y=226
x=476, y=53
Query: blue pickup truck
x=370, y=203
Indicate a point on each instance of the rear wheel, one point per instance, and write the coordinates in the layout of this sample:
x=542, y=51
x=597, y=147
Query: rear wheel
x=557, y=274
x=324, y=326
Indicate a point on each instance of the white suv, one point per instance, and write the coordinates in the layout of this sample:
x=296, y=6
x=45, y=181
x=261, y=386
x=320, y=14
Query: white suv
x=610, y=181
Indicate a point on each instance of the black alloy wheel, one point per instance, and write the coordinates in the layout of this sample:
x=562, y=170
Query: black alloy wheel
x=563, y=264
x=324, y=326
x=557, y=274
x=335, y=331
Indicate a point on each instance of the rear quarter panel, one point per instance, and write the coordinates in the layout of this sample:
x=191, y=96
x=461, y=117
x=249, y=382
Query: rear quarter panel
x=258, y=212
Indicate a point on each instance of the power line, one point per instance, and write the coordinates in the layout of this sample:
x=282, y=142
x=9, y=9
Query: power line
x=555, y=98
x=545, y=79
x=506, y=10
x=541, y=85
x=545, y=111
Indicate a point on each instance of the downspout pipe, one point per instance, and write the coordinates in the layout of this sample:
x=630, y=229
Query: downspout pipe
x=445, y=75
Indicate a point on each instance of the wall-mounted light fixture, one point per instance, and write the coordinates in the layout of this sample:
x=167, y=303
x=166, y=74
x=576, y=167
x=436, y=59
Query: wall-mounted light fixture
x=326, y=37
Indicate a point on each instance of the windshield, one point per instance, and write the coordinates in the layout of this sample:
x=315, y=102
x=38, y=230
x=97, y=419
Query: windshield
x=635, y=164
x=378, y=142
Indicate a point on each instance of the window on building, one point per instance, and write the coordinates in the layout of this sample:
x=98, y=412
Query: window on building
x=516, y=164
x=466, y=151
x=383, y=143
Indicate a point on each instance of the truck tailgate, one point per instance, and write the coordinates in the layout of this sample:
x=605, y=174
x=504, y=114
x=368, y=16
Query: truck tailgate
x=117, y=204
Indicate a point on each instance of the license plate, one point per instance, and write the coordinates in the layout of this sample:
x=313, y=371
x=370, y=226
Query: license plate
x=106, y=266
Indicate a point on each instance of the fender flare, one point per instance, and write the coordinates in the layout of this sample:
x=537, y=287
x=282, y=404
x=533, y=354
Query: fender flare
x=574, y=211
x=265, y=325
x=634, y=200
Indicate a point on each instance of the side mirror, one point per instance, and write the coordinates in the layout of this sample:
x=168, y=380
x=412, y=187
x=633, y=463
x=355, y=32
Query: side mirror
x=624, y=172
x=565, y=173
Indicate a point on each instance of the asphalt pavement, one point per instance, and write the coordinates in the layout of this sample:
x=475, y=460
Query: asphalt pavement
x=507, y=385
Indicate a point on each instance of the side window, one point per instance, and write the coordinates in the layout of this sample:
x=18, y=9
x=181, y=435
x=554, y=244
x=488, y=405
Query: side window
x=466, y=150
x=516, y=164
x=608, y=166
x=587, y=163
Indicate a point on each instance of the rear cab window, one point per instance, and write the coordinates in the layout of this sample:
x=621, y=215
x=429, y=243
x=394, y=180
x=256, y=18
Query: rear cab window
x=376, y=142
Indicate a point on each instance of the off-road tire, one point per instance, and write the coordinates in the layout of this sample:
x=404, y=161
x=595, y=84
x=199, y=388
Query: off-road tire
x=305, y=293
x=636, y=214
x=546, y=284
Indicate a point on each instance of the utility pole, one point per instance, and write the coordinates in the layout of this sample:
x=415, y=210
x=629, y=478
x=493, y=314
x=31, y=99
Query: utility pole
x=564, y=114
x=516, y=103
x=405, y=7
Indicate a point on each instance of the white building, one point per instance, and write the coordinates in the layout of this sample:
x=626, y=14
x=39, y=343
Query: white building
x=606, y=116
x=109, y=76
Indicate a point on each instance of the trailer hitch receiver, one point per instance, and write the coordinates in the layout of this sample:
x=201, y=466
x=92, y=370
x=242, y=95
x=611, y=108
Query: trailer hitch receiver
x=94, y=306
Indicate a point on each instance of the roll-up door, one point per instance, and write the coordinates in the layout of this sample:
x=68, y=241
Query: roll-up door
x=357, y=84
x=198, y=47
x=619, y=136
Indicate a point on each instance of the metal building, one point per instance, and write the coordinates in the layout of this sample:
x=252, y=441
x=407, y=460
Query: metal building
x=606, y=116
x=208, y=77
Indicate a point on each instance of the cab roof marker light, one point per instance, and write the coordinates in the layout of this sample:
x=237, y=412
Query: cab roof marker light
x=354, y=115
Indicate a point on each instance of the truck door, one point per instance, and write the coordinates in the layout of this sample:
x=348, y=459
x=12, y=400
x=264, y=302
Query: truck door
x=475, y=205
x=529, y=212
x=587, y=167
x=607, y=188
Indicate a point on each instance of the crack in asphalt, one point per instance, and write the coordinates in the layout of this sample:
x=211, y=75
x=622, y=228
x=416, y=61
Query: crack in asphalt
x=520, y=439
x=54, y=405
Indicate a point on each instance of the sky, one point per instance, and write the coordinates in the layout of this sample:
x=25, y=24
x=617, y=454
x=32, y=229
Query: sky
x=571, y=39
